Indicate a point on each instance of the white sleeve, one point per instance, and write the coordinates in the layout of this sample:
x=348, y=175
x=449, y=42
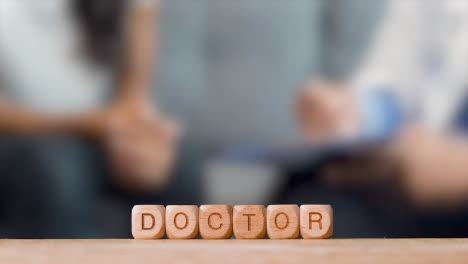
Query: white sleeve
x=391, y=53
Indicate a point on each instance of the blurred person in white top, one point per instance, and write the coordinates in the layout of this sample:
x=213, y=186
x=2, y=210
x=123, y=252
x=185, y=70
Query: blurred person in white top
x=415, y=69
x=61, y=62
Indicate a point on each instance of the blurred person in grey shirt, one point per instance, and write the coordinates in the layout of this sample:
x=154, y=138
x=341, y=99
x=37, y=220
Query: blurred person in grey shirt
x=74, y=70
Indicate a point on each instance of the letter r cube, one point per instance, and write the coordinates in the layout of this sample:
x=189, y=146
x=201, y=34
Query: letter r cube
x=316, y=221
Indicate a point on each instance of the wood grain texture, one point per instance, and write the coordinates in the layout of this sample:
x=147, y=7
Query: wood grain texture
x=283, y=221
x=327, y=251
x=316, y=221
x=181, y=221
x=215, y=221
x=249, y=221
x=148, y=221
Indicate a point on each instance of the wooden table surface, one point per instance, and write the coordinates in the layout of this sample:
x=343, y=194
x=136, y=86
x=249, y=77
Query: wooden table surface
x=235, y=251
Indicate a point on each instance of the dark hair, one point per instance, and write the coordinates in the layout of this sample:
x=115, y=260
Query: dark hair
x=102, y=23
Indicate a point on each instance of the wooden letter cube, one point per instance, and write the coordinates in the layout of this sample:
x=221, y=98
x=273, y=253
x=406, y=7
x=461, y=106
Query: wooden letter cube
x=249, y=221
x=283, y=221
x=181, y=221
x=148, y=221
x=316, y=221
x=215, y=221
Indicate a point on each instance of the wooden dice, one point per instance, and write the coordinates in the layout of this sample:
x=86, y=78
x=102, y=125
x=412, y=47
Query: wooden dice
x=215, y=221
x=281, y=221
x=148, y=221
x=316, y=221
x=182, y=221
x=249, y=221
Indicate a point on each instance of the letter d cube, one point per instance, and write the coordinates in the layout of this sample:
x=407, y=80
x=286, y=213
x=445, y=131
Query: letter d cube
x=148, y=221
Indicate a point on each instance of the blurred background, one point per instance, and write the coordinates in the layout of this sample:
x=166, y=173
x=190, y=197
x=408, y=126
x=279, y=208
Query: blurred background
x=355, y=103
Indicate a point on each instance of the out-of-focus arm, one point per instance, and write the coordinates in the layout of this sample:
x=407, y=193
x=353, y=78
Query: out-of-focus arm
x=20, y=121
x=141, y=29
x=17, y=120
x=134, y=83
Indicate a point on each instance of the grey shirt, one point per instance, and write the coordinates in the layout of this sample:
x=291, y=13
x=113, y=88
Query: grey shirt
x=231, y=69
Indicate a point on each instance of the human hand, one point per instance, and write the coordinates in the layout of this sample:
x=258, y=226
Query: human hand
x=141, y=144
x=434, y=168
x=430, y=170
x=326, y=111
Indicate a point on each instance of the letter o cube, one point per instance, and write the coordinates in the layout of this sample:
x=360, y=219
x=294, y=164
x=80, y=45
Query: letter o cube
x=215, y=221
x=283, y=221
x=182, y=221
x=148, y=221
